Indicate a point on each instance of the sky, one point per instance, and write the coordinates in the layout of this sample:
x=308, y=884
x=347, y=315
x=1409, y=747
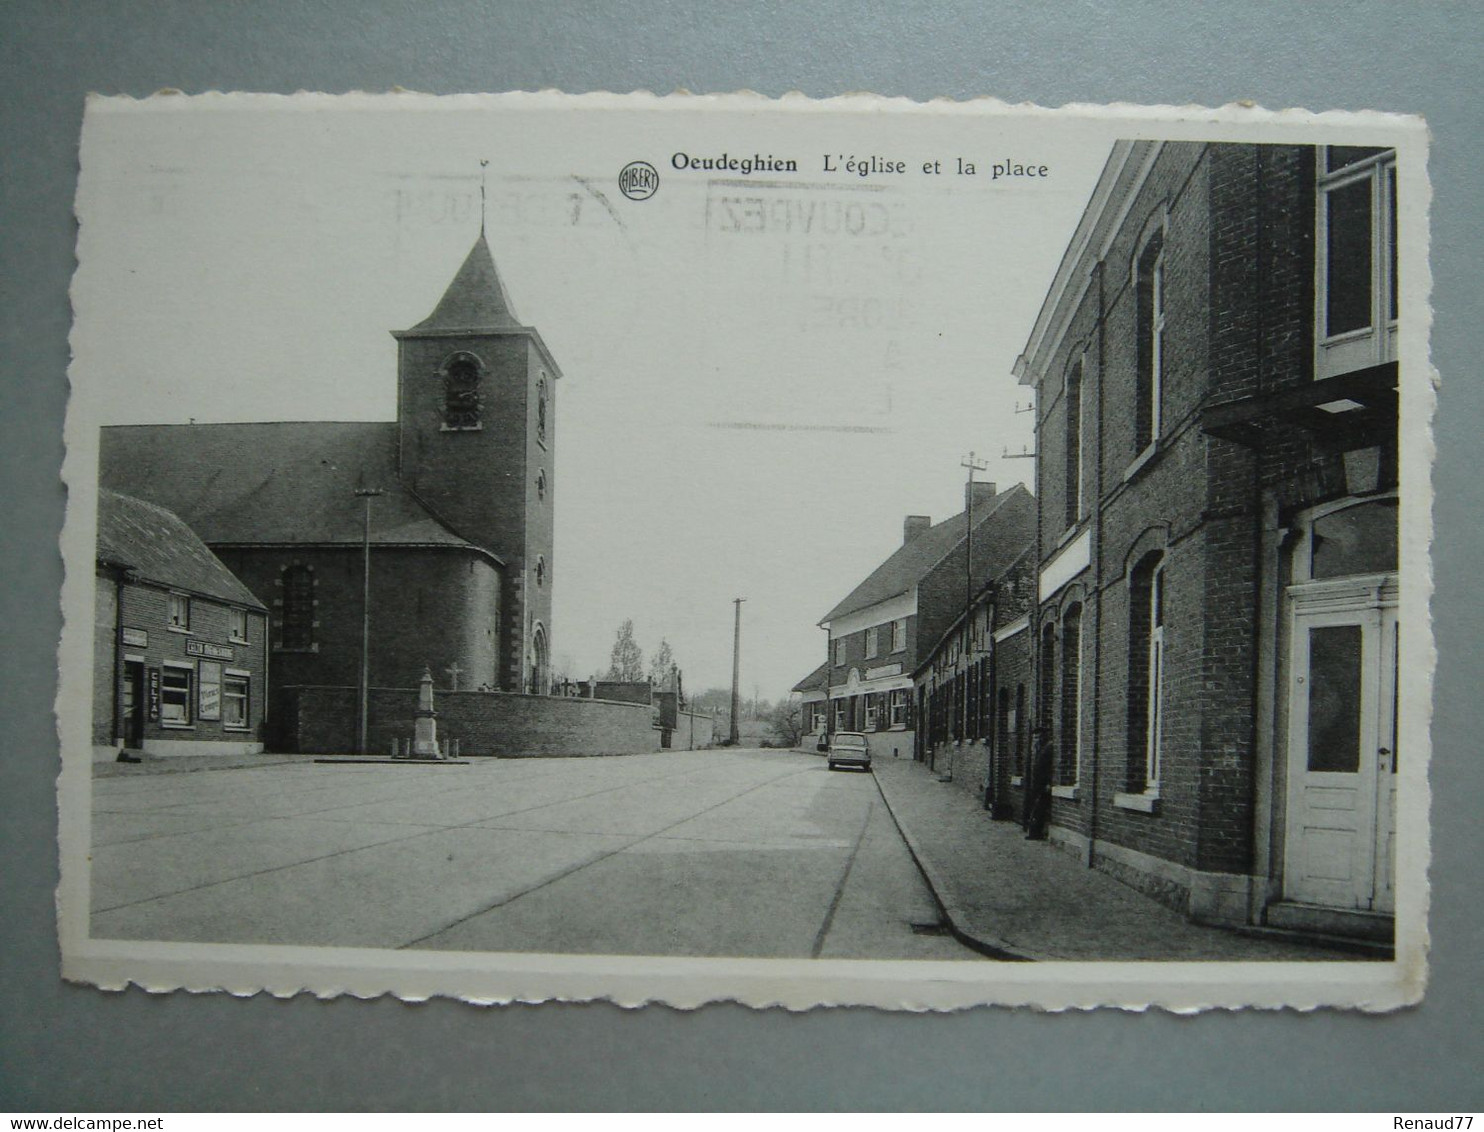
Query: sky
x=763, y=373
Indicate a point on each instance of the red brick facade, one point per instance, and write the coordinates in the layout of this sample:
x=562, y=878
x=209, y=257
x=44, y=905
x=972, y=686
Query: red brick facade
x=1186, y=334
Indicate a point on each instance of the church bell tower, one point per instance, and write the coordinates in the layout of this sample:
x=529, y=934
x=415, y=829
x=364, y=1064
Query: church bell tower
x=476, y=397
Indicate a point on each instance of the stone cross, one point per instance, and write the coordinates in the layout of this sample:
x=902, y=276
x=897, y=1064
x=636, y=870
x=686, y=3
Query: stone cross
x=454, y=671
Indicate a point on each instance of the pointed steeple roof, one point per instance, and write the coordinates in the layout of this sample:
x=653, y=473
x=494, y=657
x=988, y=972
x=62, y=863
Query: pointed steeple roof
x=476, y=299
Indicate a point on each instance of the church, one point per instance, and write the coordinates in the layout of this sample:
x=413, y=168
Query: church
x=439, y=522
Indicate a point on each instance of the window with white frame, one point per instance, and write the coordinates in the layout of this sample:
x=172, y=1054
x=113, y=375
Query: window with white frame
x=839, y=715
x=899, y=634
x=1356, y=284
x=237, y=624
x=1149, y=289
x=839, y=650
x=870, y=702
x=236, y=687
x=898, y=708
x=178, y=612
x=1147, y=583
x=873, y=641
x=175, y=695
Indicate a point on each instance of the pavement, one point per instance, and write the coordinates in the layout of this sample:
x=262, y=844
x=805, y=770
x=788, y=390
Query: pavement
x=1017, y=899
x=715, y=853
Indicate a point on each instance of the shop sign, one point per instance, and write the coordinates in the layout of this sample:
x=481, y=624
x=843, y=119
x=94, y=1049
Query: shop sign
x=154, y=695
x=206, y=648
x=138, y=638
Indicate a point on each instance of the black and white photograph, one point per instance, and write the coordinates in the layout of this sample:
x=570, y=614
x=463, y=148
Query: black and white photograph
x=678, y=549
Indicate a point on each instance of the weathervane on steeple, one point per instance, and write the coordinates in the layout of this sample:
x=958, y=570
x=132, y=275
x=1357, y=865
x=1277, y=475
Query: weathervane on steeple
x=483, y=165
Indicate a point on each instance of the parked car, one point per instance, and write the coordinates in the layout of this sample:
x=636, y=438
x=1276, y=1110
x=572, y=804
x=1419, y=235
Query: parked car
x=848, y=748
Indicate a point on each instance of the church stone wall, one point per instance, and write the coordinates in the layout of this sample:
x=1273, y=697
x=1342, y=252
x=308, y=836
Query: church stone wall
x=437, y=608
x=322, y=720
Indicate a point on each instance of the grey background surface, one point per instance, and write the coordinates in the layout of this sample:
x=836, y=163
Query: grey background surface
x=71, y=1048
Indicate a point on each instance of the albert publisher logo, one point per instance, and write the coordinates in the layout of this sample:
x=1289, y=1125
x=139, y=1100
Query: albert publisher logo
x=638, y=180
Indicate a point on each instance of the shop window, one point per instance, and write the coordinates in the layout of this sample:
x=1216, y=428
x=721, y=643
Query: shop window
x=839, y=715
x=870, y=712
x=898, y=708
x=175, y=695
x=236, y=687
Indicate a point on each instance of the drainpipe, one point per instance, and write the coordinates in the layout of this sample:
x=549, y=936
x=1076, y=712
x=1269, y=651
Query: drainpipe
x=1095, y=523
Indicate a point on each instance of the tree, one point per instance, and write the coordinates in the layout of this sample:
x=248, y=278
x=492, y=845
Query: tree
x=626, y=662
x=661, y=663
x=787, y=720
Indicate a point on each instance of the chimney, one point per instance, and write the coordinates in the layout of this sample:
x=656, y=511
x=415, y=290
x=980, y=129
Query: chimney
x=914, y=526
x=983, y=494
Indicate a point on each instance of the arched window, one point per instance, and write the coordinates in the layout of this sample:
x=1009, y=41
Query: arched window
x=1146, y=665
x=541, y=408
x=541, y=484
x=1071, y=699
x=540, y=569
x=1073, y=398
x=1149, y=288
x=296, y=619
x=461, y=397
x=539, y=680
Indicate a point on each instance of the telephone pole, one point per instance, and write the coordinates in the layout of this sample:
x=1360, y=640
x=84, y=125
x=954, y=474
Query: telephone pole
x=367, y=494
x=735, y=735
x=974, y=466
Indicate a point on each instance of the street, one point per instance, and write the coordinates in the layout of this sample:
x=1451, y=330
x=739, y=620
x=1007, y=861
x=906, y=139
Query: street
x=714, y=853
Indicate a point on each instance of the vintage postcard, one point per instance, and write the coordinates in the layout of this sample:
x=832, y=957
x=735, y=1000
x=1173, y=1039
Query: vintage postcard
x=675, y=549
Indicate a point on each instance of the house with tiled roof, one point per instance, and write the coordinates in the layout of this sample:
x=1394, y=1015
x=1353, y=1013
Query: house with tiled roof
x=879, y=631
x=443, y=516
x=180, y=643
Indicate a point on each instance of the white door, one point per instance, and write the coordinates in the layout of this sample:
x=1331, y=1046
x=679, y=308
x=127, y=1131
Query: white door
x=1342, y=758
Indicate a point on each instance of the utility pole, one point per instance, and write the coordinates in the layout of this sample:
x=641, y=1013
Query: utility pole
x=974, y=466
x=367, y=494
x=735, y=735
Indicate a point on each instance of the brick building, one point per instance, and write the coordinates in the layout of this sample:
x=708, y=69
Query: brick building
x=973, y=682
x=880, y=632
x=1216, y=622
x=460, y=533
x=180, y=645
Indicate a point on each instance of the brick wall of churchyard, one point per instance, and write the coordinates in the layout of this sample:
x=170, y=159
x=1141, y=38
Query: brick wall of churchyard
x=321, y=720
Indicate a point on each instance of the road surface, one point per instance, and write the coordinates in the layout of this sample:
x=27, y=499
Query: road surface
x=711, y=853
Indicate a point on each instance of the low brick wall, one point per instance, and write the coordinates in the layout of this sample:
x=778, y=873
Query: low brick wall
x=321, y=720
x=693, y=731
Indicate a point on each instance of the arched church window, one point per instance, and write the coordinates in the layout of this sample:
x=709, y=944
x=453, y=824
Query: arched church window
x=461, y=399
x=541, y=484
x=541, y=569
x=296, y=624
x=541, y=408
